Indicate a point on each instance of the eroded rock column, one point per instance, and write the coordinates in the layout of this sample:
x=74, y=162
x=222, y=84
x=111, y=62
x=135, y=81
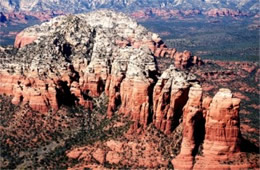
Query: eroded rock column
x=222, y=125
x=222, y=136
x=192, y=116
x=169, y=97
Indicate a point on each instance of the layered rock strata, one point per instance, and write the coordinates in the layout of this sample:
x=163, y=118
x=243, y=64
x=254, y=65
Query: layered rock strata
x=222, y=125
x=225, y=12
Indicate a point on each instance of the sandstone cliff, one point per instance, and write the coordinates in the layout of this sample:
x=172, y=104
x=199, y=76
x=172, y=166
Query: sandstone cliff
x=222, y=132
x=192, y=122
x=169, y=97
x=222, y=119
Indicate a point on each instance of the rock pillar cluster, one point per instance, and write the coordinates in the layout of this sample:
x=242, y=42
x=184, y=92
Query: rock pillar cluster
x=222, y=133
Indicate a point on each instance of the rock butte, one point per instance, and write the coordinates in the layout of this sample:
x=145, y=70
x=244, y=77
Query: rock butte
x=72, y=59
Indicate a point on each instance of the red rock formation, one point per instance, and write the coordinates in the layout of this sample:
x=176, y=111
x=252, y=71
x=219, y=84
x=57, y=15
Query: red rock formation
x=191, y=12
x=159, y=49
x=135, y=101
x=152, y=41
x=23, y=39
x=113, y=85
x=222, y=137
x=64, y=70
x=182, y=59
x=130, y=86
x=205, y=105
x=45, y=94
x=163, y=13
x=185, y=59
x=21, y=16
x=113, y=92
x=99, y=155
x=140, y=15
x=29, y=90
x=120, y=152
x=123, y=77
x=222, y=125
x=93, y=81
x=222, y=133
x=192, y=113
x=169, y=96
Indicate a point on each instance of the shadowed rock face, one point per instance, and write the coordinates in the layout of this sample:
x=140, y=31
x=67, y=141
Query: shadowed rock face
x=192, y=117
x=73, y=59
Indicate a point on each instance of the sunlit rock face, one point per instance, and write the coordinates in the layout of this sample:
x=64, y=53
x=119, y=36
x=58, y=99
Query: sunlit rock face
x=222, y=124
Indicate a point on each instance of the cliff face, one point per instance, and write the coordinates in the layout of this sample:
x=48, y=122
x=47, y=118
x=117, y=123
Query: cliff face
x=130, y=85
x=222, y=131
x=169, y=97
x=192, y=131
x=73, y=59
x=222, y=120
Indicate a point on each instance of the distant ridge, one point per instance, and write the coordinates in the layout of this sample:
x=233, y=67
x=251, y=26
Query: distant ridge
x=75, y=6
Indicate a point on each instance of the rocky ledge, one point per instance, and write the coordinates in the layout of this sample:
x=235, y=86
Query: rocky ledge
x=73, y=59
